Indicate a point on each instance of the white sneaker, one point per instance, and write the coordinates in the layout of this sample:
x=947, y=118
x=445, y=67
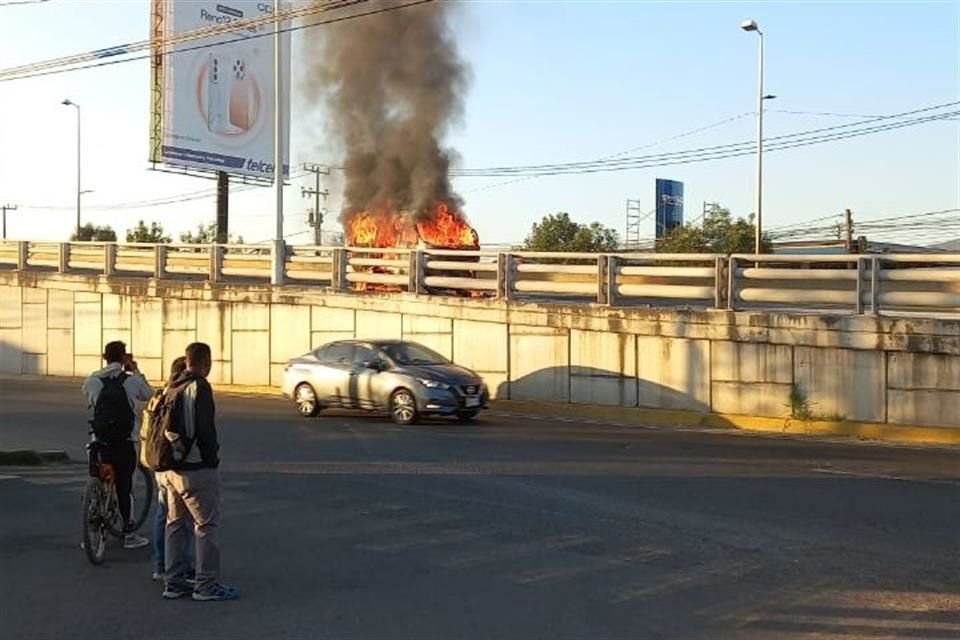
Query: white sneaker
x=133, y=541
x=158, y=575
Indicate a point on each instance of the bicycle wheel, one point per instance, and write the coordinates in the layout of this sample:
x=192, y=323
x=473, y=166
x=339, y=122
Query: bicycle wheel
x=94, y=528
x=141, y=495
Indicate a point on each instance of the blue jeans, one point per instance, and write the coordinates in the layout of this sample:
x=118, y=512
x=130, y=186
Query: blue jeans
x=159, y=528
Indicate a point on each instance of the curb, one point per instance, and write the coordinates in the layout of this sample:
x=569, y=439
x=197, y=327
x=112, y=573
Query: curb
x=32, y=458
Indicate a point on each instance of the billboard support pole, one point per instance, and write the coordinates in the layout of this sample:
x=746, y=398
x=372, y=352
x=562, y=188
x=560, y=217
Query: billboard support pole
x=279, y=251
x=223, y=207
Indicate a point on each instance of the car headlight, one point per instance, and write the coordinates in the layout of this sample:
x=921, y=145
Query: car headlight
x=433, y=384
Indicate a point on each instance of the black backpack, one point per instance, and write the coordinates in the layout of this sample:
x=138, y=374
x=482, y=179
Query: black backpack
x=112, y=414
x=165, y=443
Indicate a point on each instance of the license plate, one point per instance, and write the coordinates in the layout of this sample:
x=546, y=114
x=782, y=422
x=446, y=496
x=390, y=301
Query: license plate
x=472, y=401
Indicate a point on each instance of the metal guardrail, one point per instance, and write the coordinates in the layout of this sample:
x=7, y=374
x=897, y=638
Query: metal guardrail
x=925, y=283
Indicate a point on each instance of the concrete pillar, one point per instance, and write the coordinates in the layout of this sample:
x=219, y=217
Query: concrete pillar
x=159, y=261
x=608, y=268
x=278, y=262
x=23, y=251
x=860, y=276
x=732, y=283
x=109, y=258
x=416, y=272
x=338, y=278
x=874, y=285
x=506, y=271
x=216, y=263
x=720, y=280
x=63, y=257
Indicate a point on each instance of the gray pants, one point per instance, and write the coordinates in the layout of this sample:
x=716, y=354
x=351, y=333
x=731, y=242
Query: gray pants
x=193, y=495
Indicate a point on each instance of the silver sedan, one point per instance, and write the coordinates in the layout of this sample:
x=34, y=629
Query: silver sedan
x=404, y=378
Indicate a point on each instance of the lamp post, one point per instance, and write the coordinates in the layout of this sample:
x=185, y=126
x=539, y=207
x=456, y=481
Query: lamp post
x=70, y=103
x=751, y=25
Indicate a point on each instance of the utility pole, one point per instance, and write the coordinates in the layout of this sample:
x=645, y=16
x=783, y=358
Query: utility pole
x=315, y=219
x=5, y=208
x=223, y=207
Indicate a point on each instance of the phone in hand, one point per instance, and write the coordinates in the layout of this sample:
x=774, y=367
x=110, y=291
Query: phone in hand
x=129, y=364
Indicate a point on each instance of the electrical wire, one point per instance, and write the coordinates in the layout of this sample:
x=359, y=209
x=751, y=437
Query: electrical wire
x=8, y=76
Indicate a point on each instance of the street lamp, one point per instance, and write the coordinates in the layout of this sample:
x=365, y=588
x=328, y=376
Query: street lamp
x=69, y=103
x=751, y=25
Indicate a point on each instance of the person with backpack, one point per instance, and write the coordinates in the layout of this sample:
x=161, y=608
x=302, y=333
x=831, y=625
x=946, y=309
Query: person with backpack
x=178, y=366
x=183, y=444
x=113, y=393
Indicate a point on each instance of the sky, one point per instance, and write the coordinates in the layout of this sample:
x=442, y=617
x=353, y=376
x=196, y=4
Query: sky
x=550, y=82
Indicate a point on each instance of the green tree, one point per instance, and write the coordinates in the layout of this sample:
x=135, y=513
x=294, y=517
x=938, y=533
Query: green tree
x=142, y=233
x=207, y=234
x=719, y=233
x=95, y=233
x=558, y=232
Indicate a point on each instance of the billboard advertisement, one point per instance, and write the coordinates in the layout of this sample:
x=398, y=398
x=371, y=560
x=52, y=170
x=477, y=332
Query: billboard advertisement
x=669, y=206
x=213, y=97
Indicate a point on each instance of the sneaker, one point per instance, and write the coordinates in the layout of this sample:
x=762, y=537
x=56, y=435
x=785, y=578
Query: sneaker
x=216, y=592
x=158, y=575
x=172, y=590
x=133, y=541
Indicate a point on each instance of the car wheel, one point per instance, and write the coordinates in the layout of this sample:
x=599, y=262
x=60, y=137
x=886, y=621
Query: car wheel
x=306, y=399
x=403, y=407
x=466, y=415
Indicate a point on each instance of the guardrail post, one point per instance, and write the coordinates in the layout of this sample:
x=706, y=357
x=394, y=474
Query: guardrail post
x=506, y=270
x=278, y=260
x=159, y=261
x=23, y=251
x=732, y=283
x=109, y=258
x=416, y=272
x=338, y=279
x=607, y=269
x=875, y=285
x=720, y=280
x=860, y=276
x=63, y=257
x=216, y=263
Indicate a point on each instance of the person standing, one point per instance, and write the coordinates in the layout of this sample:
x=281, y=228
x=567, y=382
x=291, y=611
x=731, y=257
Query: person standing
x=193, y=487
x=113, y=393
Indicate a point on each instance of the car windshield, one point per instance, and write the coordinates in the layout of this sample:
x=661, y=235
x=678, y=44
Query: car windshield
x=407, y=353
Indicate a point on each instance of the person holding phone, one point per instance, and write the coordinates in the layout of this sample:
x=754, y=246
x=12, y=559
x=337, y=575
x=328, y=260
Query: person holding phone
x=113, y=393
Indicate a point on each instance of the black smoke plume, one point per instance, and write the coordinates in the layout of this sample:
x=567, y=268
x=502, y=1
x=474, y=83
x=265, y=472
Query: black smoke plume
x=392, y=84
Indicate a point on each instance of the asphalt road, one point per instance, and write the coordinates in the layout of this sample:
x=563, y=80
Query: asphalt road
x=349, y=527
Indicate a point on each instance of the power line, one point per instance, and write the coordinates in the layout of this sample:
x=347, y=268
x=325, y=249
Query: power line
x=5, y=78
x=737, y=148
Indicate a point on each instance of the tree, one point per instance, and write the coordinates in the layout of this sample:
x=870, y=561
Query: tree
x=719, y=233
x=558, y=232
x=143, y=233
x=206, y=234
x=95, y=233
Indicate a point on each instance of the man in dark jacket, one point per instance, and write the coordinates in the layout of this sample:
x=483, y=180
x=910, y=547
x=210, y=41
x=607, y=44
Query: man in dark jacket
x=193, y=489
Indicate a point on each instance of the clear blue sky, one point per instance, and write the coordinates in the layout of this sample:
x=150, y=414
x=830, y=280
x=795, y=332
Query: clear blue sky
x=552, y=81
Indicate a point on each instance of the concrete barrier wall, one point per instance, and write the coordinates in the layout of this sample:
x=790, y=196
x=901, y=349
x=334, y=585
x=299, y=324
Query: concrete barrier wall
x=883, y=370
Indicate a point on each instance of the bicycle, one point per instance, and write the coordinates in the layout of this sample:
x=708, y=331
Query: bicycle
x=101, y=509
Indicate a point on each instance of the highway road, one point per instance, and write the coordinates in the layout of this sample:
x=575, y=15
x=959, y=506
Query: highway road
x=347, y=526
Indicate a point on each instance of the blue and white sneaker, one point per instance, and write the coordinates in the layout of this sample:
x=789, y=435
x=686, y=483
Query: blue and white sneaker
x=216, y=592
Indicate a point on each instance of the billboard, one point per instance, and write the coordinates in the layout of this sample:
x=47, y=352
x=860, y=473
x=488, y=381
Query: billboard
x=669, y=206
x=213, y=96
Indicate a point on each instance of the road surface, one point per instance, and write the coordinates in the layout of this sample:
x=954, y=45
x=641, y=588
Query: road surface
x=347, y=526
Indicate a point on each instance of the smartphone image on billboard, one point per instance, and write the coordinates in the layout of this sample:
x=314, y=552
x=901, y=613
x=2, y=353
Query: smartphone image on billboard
x=217, y=117
x=239, y=94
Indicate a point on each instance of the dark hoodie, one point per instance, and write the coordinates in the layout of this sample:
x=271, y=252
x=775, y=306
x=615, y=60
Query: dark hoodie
x=199, y=413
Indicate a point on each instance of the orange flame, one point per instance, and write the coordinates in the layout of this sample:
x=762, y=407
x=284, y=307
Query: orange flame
x=388, y=227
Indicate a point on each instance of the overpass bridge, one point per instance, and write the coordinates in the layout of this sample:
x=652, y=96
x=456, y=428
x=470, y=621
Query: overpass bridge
x=686, y=338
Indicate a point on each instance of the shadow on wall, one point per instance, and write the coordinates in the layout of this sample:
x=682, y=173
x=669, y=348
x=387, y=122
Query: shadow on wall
x=595, y=386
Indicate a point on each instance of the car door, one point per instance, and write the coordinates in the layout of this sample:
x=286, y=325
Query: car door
x=332, y=376
x=364, y=380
